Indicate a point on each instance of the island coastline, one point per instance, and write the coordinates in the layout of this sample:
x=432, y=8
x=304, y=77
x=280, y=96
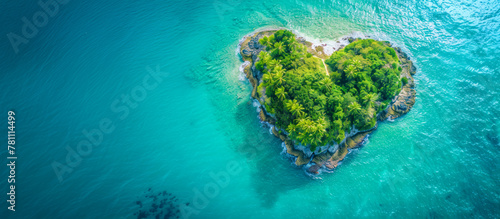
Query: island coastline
x=326, y=157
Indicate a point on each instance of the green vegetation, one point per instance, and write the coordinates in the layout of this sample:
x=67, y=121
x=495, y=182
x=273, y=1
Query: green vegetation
x=317, y=109
x=404, y=80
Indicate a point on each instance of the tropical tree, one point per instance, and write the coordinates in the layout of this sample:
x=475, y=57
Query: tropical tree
x=264, y=41
x=278, y=74
x=354, y=108
x=273, y=63
x=327, y=84
x=310, y=132
x=295, y=107
x=371, y=111
x=264, y=57
x=280, y=93
x=369, y=99
x=267, y=79
x=279, y=48
x=357, y=64
x=350, y=72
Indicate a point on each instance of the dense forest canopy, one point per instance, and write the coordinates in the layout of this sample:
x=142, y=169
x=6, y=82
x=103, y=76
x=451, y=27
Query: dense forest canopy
x=315, y=108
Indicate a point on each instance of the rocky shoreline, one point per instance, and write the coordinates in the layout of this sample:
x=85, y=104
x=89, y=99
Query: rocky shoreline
x=327, y=157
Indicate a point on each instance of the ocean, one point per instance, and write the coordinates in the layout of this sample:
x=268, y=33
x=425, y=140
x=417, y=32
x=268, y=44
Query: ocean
x=150, y=95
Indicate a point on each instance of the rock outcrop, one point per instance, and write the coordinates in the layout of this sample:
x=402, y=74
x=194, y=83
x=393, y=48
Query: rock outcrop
x=404, y=101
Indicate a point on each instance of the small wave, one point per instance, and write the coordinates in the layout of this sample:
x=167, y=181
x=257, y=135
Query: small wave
x=242, y=76
x=256, y=104
x=390, y=119
x=283, y=151
x=312, y=175
x=271, y=129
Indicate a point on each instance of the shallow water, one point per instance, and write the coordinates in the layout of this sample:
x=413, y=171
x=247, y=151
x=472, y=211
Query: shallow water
x=440, y=160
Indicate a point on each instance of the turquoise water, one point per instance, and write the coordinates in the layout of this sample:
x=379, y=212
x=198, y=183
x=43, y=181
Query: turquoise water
x=440, y=160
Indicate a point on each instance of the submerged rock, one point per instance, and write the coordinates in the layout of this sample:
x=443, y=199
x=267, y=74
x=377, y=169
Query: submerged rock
x=314, y=169
x=159, y=207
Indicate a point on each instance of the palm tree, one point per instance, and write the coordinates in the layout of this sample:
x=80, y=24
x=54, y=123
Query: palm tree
x=298, y=110
x=319, y=85
x=264, y=57
x=328, y=82
x=273, y=63
x=322, y=125
x=280, y=93
x=264, y=41
x=325, y=84
x=292, y=129
x=354, y=108
x=370, y=99
x=268, y=79
x=279, y=48
x=288, y=105
x=278, y=74
x=357, y=64
x=279, y=68
x=350, y=72
x=373, y=97
x=371, y=112
x=304, y=132
x=294, y=107
x=311, y=132
x=285, y=39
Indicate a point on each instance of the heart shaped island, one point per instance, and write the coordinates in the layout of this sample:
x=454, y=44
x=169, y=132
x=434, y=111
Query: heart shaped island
x=320, y=105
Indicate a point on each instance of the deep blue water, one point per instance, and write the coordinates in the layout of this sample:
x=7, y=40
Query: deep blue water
x=440, y=160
